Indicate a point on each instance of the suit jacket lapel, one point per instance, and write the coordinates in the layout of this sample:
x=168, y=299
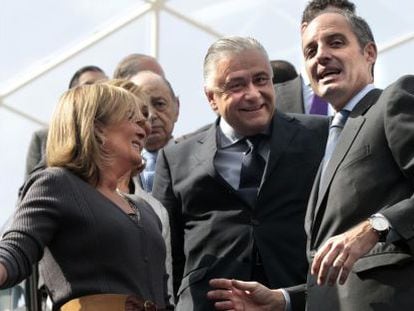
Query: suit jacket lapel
x=312, y=202
x=352, y=127
x=282, y=134
x=204, y=155
x=350, y=131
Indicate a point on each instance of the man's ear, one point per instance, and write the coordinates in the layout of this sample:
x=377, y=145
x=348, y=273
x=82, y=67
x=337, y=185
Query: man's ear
x=211, y=100
x=177, y=108
x=303, y=27
x=371, y=52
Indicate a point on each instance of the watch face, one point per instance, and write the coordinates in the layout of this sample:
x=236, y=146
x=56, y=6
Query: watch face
x=379, y=223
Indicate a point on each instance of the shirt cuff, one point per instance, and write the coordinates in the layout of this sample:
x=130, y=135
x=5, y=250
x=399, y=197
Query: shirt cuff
x=288, y=305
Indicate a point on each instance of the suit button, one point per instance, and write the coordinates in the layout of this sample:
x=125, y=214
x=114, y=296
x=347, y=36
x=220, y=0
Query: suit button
x=254, y=222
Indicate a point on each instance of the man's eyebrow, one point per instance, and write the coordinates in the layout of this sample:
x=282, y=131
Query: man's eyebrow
x=234, y=78
x=261, y=73
x=328, y=36
x=158, y=98
x=335, y=35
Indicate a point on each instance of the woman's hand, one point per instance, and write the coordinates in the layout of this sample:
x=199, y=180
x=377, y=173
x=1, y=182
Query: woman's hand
x=3, y=274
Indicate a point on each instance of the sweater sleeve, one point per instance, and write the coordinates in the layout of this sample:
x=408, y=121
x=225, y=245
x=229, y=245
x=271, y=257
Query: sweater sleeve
x=34, y=223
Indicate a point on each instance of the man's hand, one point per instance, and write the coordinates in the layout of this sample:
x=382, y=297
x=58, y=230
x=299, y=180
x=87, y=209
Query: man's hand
x=338, y=255
x=234, y=295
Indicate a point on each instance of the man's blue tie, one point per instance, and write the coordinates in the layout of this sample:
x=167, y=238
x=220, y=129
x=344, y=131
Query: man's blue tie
x=252, y=169
x=252, y=164
x=335, y=130
x=149, y=171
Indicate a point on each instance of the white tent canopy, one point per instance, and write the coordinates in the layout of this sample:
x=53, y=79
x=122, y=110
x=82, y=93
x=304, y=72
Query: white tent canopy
x=46, y=41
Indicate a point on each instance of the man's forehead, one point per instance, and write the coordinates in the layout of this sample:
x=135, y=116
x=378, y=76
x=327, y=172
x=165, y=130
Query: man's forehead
x=251, y=62
x=247, y=73
x=145, y=77
x=326, y=24
x=157, y=89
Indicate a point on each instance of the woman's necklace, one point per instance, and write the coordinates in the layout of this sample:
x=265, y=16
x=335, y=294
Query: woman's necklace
x=134, y=214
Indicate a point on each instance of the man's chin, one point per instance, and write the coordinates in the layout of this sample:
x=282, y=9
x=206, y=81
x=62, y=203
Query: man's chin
x=155, y=142
x=328, y=88
x=250, y=130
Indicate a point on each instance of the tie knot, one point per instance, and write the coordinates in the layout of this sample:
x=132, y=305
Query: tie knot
x=340, y=118
x=253, y=142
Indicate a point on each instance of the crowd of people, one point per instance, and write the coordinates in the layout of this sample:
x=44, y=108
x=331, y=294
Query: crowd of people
x=298, y=197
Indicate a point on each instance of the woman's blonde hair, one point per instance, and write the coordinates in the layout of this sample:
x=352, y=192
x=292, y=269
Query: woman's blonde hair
x=74, y=141
x=134, y=89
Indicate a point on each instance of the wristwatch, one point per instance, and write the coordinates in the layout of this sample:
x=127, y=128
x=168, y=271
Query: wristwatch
x=380, y=225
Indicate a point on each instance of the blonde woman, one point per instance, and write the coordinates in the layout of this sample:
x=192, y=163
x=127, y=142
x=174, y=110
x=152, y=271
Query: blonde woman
x=101, y=248
x=129, y=182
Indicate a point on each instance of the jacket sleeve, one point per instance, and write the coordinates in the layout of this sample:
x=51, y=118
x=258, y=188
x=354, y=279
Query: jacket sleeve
x=399, y=131
x=297, y=296
x=163, y=190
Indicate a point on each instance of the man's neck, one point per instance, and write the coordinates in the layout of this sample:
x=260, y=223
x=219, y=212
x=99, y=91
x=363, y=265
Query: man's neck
x=354, y=100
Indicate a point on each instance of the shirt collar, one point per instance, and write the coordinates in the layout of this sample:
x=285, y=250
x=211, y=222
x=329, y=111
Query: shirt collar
x=155, y=152
x=355, y=100
x=146, y=154
x=227, y=136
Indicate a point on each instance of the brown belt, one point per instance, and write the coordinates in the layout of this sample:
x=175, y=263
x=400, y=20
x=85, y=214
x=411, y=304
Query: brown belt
x=109, y=302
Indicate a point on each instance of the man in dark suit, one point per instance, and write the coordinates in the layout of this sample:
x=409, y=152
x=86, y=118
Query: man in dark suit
x=225, y=221
x=360, y=214
x=361, y=211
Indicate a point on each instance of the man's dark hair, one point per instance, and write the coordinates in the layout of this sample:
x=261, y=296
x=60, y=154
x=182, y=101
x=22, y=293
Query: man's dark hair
x=360, y=28
x=75, y=78
x=282, y=71
x=314, y=7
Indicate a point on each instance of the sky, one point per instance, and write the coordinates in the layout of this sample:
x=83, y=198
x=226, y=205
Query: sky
x=47, y=41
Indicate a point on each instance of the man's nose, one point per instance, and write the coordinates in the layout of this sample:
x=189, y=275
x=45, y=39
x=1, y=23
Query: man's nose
x=252, y=91
x=151, y=114
x=323, y=54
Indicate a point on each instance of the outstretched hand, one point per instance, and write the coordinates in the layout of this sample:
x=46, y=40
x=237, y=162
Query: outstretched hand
x=234, y=295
